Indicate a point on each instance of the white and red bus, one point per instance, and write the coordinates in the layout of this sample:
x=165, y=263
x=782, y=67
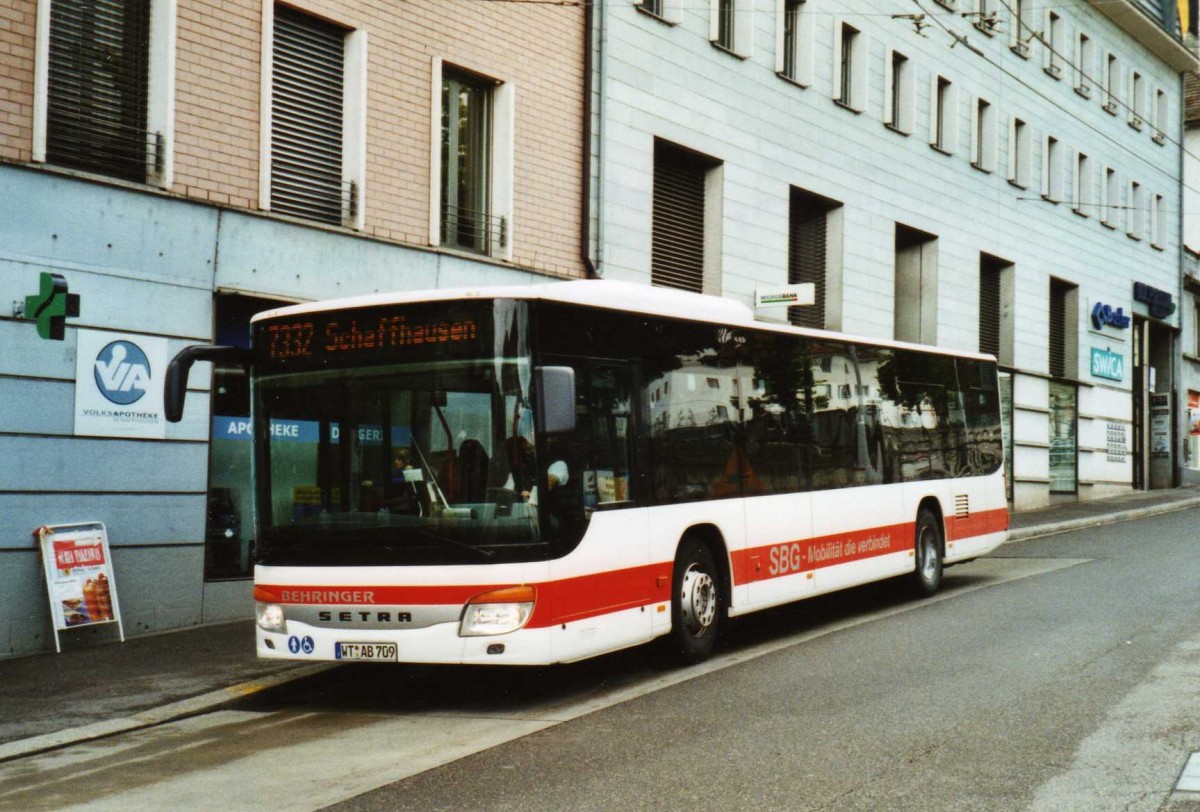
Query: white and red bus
x=540, y=474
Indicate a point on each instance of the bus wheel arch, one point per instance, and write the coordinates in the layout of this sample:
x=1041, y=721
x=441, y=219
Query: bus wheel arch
x=929, y=547
x=699, y=594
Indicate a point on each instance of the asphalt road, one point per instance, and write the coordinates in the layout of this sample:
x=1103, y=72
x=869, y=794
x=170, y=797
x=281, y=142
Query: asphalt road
x=1062, y=674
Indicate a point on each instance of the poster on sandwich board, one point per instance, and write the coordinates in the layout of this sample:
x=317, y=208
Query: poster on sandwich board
x=79, y=577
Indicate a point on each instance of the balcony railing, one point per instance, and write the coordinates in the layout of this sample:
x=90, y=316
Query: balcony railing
x=474, y=230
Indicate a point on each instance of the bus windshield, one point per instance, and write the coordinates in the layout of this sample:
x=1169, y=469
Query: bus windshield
x=422, y=461
x=430, y=461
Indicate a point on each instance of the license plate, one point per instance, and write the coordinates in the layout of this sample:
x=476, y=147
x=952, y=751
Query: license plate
x=365, y=651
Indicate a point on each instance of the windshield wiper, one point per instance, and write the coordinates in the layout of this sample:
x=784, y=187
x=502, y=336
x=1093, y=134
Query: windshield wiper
x=433, y=534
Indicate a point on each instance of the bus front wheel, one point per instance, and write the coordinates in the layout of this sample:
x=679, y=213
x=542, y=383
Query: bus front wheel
x=928, y=575
x=697, y=606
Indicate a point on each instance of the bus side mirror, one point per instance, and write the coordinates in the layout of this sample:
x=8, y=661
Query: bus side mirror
x=175, y=385
x=555, y=398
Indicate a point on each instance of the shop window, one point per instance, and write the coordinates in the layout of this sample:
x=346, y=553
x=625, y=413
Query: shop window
x=229, y=530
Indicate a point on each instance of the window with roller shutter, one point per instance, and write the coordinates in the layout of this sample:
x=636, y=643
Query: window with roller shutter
x=98, y=89
x=307, y=98
x=677, y=250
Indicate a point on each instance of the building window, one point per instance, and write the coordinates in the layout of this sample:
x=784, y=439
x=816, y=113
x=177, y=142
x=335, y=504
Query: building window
x=1111, y=199
x=1136, y=102
x=1160, y=116
x=995, y=319
x=942, y=124
x=916, y=284
x=814, y=257
x=316, y=121
x=1052, y=38
x=1063, y=329
x=685, y=241
x=1052, y=170
x=229, y=525
x=985, y=17
x=471, y=185
x=669, y=11
x=725, y=23
x=467, y=221
x=1020, y=146
x=1019, y=25
x=1136, y=206
x=1083, y=191
x=730, y=26
x=1158, y=223
x=1063, y=363
x=105, y=82
x=1085, y=63
x=983, y=137
x=898, y=102
x=794, y=48
x=1112, y=83
x=850, y=57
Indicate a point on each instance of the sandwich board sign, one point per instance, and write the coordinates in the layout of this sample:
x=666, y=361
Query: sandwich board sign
x=79, y=577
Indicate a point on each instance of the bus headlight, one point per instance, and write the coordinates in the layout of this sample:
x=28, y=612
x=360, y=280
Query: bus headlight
x=497, y=612
x=270, y=617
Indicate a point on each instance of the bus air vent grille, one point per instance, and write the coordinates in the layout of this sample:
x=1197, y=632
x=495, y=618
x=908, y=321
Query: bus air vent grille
x=962, y=506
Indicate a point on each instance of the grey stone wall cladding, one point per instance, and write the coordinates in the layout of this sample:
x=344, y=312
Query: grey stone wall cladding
x=145, y=264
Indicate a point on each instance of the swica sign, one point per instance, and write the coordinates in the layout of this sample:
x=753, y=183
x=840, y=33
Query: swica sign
x=118, y=385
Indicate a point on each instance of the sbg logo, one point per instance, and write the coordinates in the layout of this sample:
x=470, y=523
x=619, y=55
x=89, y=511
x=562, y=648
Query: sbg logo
x=122, y=372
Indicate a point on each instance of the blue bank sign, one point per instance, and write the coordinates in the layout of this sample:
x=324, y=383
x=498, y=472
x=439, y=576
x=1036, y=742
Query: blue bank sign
x=1108, y=364
x=1104, y=315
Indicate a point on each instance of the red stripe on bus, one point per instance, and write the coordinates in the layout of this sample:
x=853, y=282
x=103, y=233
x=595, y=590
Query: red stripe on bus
x=584, y=596
x=977, y=524
x=806, y=555
x=562, y=601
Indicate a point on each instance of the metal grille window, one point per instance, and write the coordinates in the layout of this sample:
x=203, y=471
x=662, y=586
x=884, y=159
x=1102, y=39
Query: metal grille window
x=307, y=97
x=1059, y=292
x=467, y=220
x=989, y=305
x=98, y=83
x=677, y=251
x=807, y=249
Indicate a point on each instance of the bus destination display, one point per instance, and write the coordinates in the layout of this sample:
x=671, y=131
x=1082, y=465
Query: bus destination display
x=365, y=333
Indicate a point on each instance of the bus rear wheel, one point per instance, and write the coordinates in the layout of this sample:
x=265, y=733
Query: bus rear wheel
x=928, y=575
x=697, y=604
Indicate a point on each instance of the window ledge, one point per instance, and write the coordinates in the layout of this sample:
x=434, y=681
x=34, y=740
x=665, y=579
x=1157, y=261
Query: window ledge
x=642, y=9
x=1107, y=224
x=847, y=106
x=896, y=129
x=1157, y=247
x=1018, y=184
x=1084, y=90
x=1136, y=123
x=1053, y=71
x=791, y=80
x=1133, y=236
x=1078, y=210
x=978, y=165
x=1021, y=49
x=1050, y=199
x=941, y=149
x=1110, y=107
x=725, y=50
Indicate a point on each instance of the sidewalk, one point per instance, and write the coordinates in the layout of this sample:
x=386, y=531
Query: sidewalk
x=48, y=701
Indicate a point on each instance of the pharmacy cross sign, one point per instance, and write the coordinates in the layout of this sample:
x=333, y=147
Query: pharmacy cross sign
x=52, y=306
